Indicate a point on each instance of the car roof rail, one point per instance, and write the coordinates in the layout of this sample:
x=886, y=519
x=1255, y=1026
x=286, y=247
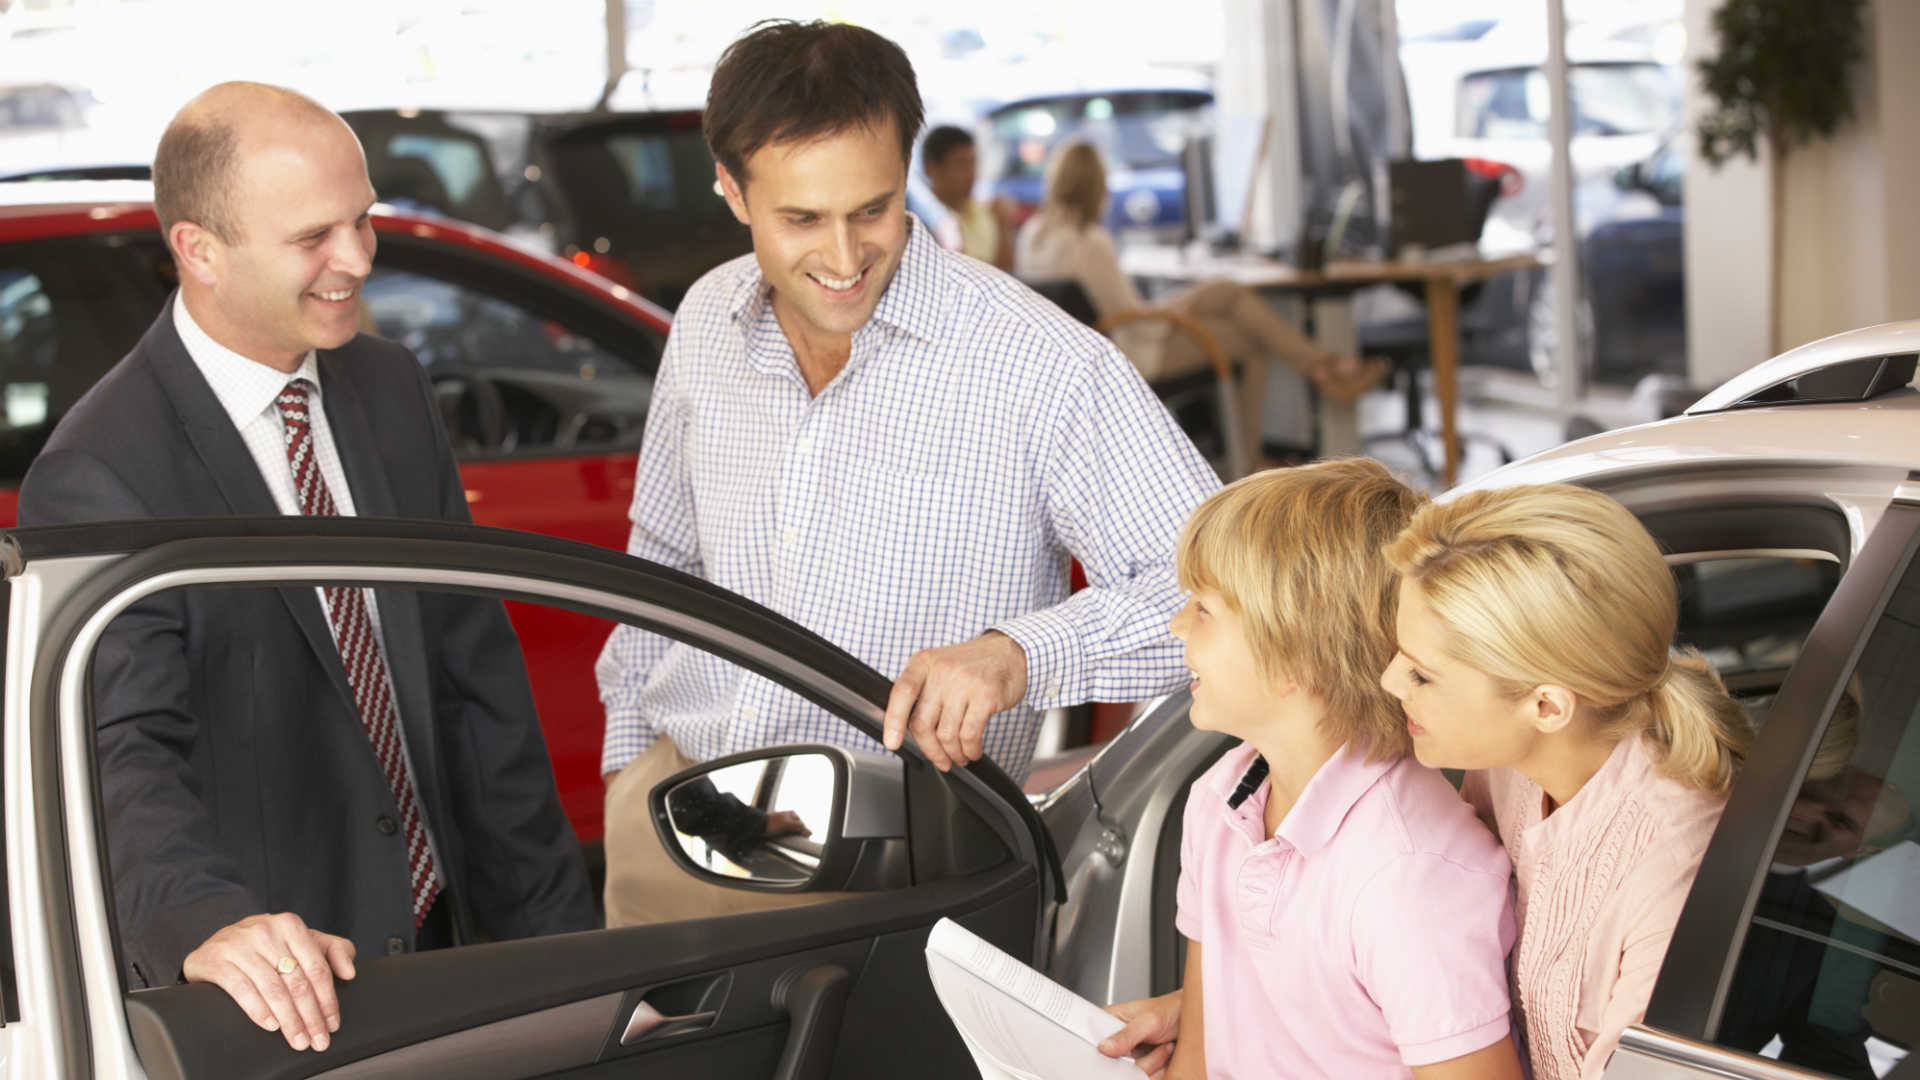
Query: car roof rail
x=1857, y=365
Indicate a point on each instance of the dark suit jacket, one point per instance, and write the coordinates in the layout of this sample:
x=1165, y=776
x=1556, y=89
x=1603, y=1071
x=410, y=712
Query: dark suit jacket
x=236, y=775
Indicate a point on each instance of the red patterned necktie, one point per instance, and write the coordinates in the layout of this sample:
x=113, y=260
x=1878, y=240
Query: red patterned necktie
x=366, y=666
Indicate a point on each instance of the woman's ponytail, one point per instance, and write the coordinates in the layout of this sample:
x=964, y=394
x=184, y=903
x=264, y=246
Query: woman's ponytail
x=1703, y=730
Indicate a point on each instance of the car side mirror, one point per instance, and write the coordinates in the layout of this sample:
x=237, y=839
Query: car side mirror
x=1628, y=178
x=805, y=818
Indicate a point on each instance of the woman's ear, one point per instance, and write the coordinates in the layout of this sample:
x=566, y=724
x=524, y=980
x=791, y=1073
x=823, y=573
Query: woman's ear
x=1549, y=708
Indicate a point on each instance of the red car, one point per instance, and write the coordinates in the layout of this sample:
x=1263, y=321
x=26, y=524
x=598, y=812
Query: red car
x=544, y=372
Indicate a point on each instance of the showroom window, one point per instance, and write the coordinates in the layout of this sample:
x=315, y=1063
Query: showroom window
x=1829, y=976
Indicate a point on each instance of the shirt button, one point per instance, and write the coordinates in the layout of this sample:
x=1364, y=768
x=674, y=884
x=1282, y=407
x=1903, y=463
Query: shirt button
x=790, y=536
x=1053, y=690
x=805, y=444
x=385, y=824
x=749, y=713
x=395, y=946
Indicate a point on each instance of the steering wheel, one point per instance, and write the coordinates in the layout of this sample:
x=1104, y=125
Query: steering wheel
x=474, y=414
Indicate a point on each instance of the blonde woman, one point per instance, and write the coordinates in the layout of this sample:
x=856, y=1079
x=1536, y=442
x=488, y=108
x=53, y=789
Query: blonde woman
x=1534, y=628
x=1064, y=241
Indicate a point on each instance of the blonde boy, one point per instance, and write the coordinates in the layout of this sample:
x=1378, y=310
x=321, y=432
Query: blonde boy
x=1347, y=916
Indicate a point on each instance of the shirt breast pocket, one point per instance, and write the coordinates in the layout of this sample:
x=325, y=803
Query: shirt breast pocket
x=899, y=533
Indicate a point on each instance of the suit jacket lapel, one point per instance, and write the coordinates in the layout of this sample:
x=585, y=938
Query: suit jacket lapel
x=400, y=623
x=226, y=457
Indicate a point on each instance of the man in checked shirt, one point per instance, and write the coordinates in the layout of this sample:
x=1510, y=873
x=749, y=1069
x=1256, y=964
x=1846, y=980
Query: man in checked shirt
x=896, y=446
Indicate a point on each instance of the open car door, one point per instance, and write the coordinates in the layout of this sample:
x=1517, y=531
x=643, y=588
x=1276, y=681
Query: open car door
x=835, y=989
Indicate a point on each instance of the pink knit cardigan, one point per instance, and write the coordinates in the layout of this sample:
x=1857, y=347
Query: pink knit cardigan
x=1600, y=884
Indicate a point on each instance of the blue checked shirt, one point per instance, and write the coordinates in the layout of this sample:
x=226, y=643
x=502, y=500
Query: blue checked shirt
x=975, y=441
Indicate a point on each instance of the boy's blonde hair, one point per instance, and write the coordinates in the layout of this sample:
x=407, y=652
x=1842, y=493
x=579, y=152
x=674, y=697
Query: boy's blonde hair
x=1556, y=584
x=1297, y=554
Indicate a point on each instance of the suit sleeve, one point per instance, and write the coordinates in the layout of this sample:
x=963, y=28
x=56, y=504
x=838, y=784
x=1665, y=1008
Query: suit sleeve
x=525, y=873
x=172, y=890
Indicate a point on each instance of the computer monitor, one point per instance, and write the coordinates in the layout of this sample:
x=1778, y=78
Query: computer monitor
x=1434, y=204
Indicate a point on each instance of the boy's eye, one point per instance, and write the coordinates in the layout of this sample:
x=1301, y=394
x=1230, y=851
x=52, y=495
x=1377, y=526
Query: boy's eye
x=1418, y=679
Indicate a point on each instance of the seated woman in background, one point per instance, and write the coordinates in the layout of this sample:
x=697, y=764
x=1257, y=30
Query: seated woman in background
x=1534, y=628
x=1065, y=241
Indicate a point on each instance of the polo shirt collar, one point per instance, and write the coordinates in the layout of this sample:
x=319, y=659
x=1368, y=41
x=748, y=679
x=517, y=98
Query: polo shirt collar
x=1332, y=792
x=245, y=388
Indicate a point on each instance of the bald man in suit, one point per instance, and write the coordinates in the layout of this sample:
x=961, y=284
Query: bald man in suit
x=295, y=776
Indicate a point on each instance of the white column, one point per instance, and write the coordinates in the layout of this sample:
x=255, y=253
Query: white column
x=1256, y=80
x=1565, y=276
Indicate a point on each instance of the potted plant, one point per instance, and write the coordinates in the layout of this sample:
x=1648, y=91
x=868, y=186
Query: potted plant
x=1782, y=75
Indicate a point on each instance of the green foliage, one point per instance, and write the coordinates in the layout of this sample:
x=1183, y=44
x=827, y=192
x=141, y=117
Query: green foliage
x=1782, y=74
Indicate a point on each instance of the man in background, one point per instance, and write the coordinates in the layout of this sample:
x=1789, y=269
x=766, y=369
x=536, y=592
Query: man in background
x=952, y=165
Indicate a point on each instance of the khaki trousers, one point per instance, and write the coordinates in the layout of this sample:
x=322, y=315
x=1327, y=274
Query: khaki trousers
x=644, y=884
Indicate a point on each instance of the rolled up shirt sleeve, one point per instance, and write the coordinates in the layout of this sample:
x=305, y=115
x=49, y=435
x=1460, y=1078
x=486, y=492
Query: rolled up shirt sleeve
x=1120, y=478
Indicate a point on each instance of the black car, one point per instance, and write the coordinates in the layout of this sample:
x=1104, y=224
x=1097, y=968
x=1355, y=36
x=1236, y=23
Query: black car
x=631, y=195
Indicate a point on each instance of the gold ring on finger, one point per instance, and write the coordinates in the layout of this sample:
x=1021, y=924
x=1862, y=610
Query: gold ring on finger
x=286, y=965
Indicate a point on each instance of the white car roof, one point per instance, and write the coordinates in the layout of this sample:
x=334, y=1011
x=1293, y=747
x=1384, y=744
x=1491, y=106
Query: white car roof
x=1721, y=429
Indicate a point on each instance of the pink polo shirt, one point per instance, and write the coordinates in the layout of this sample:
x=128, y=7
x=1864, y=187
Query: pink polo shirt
x=1369, y=935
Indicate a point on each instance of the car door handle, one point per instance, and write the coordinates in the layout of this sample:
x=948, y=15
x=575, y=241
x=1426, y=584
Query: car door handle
x=648, y=1022
x=816, y=1002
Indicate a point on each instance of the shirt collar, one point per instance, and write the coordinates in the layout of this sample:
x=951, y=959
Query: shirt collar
x=245, y=388
x=1332, y=792
x=912, y=303
x=1625, y=768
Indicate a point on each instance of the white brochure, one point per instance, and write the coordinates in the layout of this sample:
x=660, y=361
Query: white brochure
x=1017, y=1023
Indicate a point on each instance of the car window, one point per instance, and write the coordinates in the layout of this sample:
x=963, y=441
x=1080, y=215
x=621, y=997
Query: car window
x=429, y=163
x=1132, y=130
x=1749, y=612
x=1829, y=975
x=511, y=380
x=1608, y=99
x=69, y=309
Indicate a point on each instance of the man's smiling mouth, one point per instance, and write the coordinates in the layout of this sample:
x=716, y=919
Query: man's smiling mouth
x=838, y=284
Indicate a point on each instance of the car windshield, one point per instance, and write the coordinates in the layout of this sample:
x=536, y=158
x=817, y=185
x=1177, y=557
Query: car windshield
x=1134, y=130
x=1608, y=99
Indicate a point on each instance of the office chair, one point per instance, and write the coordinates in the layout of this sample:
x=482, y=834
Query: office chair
x=1205, y=403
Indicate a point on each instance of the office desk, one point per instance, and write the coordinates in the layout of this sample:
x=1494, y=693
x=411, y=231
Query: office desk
x=1442, y=281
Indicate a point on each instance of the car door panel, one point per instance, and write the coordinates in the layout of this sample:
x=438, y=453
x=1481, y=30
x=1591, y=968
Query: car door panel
x=979, y=854
x=406, y=1015
x=1706, y=941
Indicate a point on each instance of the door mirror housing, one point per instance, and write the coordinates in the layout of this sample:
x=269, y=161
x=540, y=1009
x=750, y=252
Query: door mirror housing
x=800, y=818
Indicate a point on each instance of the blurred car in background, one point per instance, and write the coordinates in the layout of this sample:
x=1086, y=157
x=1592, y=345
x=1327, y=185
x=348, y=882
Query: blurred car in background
x=1478, y=90
x=1632, y=261
x=629, y=195
x=1140, y=130
x=543, y=371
